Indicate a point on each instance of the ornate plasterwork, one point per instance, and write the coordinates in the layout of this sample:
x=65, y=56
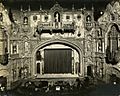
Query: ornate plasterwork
x=25, y=46
x=110, y=9
x=6, y=20
x=105, y=21
x=56, y=7
x=115, y=8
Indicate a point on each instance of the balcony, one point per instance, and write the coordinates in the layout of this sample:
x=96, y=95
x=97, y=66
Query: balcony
x=44, y=28
x=68, y=28
x=55, y=27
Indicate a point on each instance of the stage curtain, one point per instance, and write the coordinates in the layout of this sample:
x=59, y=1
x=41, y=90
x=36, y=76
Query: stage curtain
x=57, y=61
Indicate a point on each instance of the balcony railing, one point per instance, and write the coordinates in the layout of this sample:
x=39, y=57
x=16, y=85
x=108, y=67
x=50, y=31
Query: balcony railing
x=55, y=27
x=68, y=26
x=44, y=26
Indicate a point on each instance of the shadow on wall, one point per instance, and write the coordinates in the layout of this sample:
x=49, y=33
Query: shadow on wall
x=111, y=57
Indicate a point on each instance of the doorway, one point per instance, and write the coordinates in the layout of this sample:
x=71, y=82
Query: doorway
x=89, y=71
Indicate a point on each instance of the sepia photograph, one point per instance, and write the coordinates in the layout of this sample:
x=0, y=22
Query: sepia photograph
x=59, y=47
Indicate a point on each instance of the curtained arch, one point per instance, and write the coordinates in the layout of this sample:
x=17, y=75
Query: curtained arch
x=63, y=42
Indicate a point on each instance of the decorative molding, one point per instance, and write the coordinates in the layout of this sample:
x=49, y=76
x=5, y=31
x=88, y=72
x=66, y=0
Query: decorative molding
x=56, y=7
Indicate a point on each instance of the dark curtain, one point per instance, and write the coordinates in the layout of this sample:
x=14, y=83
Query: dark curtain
x=57, y=61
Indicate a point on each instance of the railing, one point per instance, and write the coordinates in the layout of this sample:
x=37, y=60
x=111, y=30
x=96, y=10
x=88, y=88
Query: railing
x=68, y=26
x=56, y=25
x=45, y=26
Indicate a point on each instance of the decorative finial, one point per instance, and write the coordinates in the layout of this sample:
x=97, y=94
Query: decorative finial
x=73, y=7
x=40, y=7
x=21, y=8
x=84, y=7
x=29, y=9
x=92, y=7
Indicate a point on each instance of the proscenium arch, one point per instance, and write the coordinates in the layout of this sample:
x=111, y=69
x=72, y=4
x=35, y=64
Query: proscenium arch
x=63, y=42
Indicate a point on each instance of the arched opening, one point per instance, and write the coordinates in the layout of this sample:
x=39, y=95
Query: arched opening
x=88, y=18
x=25, y=20
x=3, y=83
x=57, y=16
x=57, y=58
x=57, y=19
x=88, y=22
x=89, y=71
x=113, y=44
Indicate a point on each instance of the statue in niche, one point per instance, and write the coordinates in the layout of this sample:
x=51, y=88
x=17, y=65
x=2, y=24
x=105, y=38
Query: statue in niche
x=25, y=20
x=88, y=46
x=26, y=47
x=14, y=49
x=88, y=18
x=57, y=19
x=23, y=72
x=14, y=73
x=100, y=46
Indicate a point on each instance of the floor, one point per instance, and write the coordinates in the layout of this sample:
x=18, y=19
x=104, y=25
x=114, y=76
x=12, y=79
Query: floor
x=99, y=90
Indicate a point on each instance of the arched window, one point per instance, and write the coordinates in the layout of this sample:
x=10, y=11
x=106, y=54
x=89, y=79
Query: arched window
x=57, y=16
x=113, y=38
x=78, y=17
x=88, y=18
x=88, y=22
x=25, y=20
x=34, y=17
x=14, y=49
x=112, y=45
x=67, y=17
x=46, y=18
